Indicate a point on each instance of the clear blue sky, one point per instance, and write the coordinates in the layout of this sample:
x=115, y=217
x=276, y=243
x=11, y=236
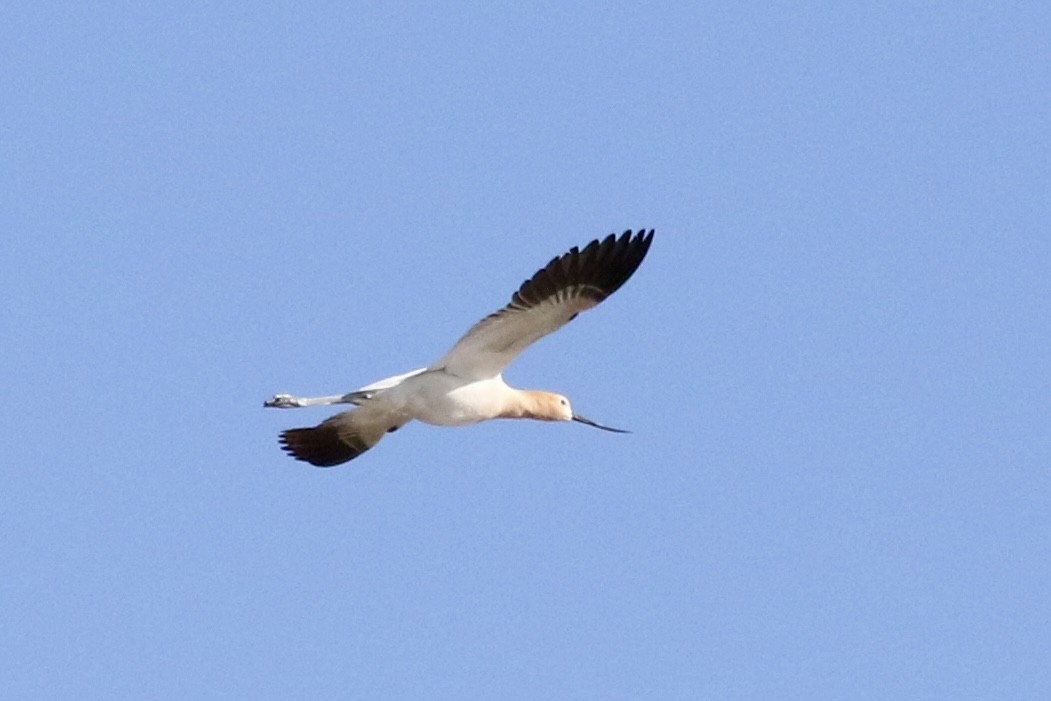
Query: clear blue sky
x=835, y=359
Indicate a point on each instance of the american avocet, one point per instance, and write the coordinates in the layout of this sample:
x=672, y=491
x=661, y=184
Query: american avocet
x=465, y=386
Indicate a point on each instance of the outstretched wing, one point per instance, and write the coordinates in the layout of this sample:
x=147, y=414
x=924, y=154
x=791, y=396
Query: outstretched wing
x=569, y=284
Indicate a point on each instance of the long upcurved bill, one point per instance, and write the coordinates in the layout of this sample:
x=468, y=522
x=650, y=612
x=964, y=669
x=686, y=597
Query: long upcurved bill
x=589, y=422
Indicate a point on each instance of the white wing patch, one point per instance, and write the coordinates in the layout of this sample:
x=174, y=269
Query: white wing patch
x=388, y=382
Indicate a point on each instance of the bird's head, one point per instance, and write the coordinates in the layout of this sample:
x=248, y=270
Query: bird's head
x=549, y=406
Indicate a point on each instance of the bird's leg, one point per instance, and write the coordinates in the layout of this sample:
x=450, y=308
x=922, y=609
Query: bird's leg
x=288, y=401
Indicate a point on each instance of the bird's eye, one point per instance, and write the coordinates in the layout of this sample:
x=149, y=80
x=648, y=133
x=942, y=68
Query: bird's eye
x=563, y=402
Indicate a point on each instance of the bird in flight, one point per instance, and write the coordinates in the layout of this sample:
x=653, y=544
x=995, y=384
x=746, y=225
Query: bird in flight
x=466, y=386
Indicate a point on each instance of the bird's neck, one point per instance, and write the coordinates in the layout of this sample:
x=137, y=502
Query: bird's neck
x=526, y=404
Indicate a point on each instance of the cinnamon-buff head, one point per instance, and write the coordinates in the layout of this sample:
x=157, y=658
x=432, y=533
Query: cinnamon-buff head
x=549, y=406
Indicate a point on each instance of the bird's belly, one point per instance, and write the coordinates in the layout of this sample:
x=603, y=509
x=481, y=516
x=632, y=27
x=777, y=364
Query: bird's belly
x=447, y=414
x=442, y=402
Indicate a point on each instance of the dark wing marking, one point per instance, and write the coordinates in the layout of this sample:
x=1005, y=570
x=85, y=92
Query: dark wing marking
x=339, y=438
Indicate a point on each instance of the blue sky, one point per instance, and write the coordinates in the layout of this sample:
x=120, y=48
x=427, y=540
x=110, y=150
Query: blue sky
x=834, y=360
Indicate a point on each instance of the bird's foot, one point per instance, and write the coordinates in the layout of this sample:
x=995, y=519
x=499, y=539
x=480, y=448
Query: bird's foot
x=282, y=401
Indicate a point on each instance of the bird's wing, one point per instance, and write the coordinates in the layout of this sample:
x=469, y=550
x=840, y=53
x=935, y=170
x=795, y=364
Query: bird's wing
x=369, y=391
x=388, y=382
x=341, y=437
x=569, y=284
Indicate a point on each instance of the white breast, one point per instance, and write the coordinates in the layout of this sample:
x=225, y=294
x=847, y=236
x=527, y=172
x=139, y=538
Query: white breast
x=443, y=400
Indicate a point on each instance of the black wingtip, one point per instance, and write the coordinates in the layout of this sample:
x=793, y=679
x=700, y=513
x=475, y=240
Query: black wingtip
x=321, y=446
x=598, y=269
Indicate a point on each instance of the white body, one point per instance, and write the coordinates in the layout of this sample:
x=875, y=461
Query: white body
x=466, y=385
x=438, y=398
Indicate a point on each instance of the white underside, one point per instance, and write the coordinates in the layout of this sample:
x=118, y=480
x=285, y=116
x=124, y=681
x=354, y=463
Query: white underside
x=429, y=395
x=438, y=398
